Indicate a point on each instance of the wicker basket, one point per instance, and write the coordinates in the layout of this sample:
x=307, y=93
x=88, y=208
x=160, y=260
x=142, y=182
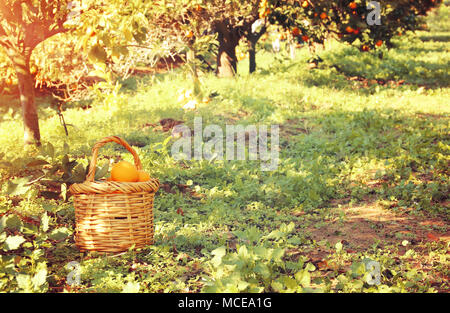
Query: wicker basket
x=113, y=216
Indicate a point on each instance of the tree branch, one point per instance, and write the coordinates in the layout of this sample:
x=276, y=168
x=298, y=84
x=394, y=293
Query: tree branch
x=37, y=32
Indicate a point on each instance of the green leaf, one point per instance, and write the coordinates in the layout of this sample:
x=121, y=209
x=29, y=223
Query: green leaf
x=131, y=287
x=79, y=174
x=67, y=165
x=47, y=150
x=97, y=54
x=12, y=222
x=277, y=286
x=50, y=150
x=29, y=229
x=64, y=162
x=358, y=269
x=100, y=173
x=262, y=252
x=219, y=252
x=17, y=188
x=60, y=233
x=128, y=34
x=243, y=251
x=263, y=270
x=290, y=283
x=119, y=51
x=13, y=242
x=218, y=255
x=45, y=220
x=310, y=267
x=277, y=254
x=338, y=247
x=24, y=282
x=66, y=148
x=311, y=290
x=40, y=278
x=242, y=285
x=295, y=240
x=3, y=236
x=64, y=191
x=303, y=277
x=37, y=162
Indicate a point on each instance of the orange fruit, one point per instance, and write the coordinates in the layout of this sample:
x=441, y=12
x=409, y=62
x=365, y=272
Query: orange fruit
x=349, y=29
x=90, y=32
x=33, y=69
x=323, y=15
x=356, y=31
x=124, y=171
x=189, y=34
x=143, y=176
x=353, y=5
x=305, y=38
x=379, y=43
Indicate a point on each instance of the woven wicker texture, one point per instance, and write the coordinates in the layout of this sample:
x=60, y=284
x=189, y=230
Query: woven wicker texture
x=113, y=216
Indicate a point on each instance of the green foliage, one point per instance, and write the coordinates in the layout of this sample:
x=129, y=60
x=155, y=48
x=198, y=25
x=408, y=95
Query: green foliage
x=352, y=21
x=23, y=258
x=259, y=265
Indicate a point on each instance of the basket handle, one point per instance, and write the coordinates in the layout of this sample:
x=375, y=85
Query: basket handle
x=91, y=174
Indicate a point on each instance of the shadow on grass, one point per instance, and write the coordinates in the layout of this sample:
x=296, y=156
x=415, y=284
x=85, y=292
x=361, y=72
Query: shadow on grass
x=395, y=67
x=438, y=38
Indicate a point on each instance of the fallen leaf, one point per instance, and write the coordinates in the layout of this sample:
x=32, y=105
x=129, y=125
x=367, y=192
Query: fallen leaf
x=322, y=265
x=432, y=237
x=167, y=188
x=169, y=123
x=182, y=256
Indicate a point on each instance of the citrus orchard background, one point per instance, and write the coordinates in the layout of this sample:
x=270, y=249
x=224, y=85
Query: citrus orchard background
x=363, y=172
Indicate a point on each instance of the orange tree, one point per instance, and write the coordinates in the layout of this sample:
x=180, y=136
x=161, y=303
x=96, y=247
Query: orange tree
x=197, y=23
x=103, y=28
x=23, y=25
x=367, y=24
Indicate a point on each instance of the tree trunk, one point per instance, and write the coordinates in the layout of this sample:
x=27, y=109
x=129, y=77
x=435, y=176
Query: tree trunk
x=27, y=97
x=226, y=57
x=252, y=56
x=252, y=39
x=292, y=50
x=190, y=57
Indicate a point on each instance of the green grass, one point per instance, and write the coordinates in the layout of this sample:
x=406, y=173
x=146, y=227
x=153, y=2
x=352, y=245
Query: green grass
x=343, y=142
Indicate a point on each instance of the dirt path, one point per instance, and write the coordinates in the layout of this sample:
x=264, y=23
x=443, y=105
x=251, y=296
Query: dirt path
x=360, y=227
x=366, y=223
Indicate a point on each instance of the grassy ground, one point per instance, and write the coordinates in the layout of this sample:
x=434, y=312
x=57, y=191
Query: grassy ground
x=363, y=175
